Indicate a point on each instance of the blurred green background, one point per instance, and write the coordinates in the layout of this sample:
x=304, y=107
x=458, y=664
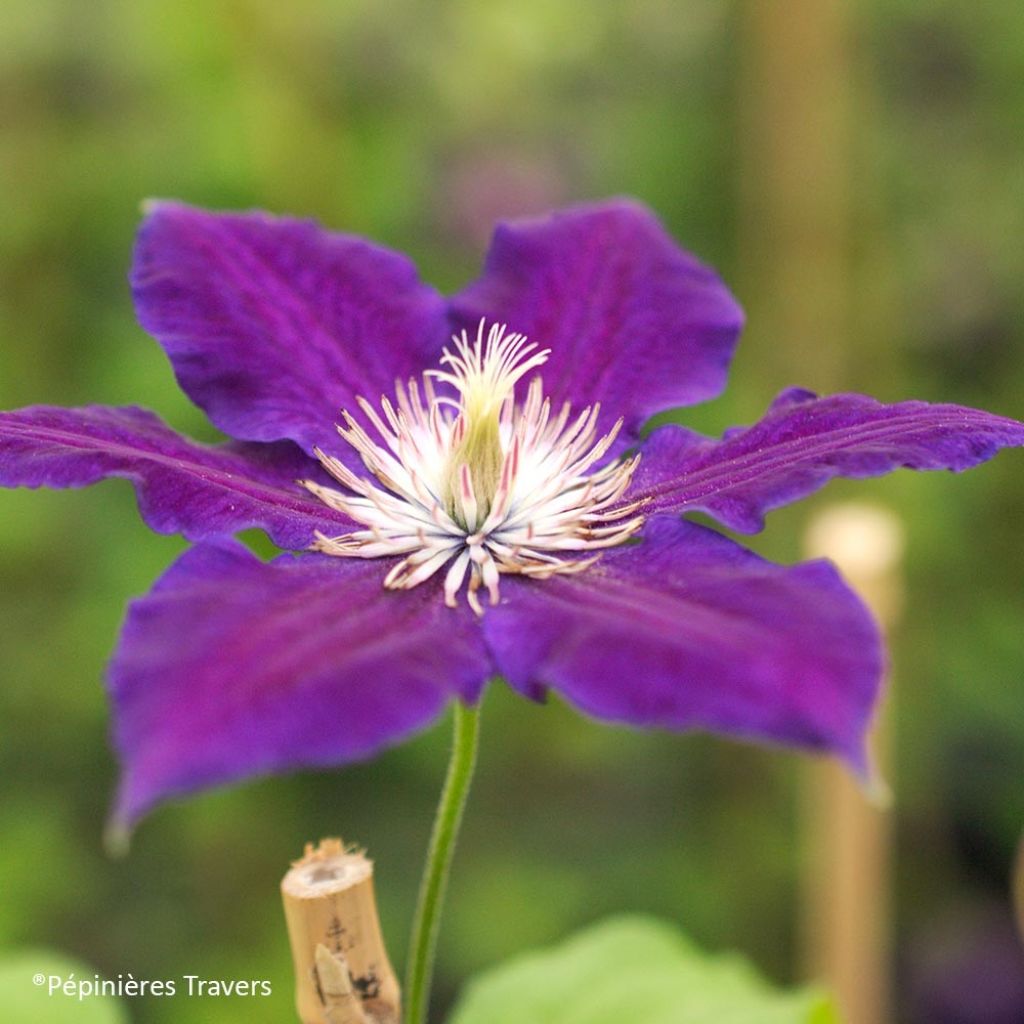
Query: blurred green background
x=870, y=219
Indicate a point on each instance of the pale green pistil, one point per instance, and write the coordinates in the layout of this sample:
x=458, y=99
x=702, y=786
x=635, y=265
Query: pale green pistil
x=484, y=373
x=480, y=451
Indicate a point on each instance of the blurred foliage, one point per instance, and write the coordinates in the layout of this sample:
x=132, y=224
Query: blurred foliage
x=28, y=1000
x=419, y=125
x=635, y=969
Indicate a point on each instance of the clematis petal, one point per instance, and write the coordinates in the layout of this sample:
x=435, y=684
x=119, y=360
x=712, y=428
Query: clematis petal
x=183, y=487
x=802, y=443
x=273, y=325
x=300, y=662
x=689, y=630
x=632, y=321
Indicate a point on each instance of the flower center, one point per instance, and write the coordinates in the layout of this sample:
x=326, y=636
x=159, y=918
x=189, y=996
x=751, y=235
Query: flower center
x=471, y=480
x=484, y=377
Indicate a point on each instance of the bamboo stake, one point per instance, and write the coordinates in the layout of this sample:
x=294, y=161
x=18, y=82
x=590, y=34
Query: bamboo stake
x=795, y=197
x=342, y=971
x=798, y=211
x=846, y=899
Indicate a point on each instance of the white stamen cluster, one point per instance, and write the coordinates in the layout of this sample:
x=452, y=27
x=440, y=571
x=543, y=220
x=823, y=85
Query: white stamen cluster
x=475, y=482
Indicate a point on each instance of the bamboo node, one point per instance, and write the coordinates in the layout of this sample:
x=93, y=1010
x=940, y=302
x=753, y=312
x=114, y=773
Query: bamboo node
x=342, y=971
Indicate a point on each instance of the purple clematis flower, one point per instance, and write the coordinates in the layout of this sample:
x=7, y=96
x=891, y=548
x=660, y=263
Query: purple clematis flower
x=490, y=507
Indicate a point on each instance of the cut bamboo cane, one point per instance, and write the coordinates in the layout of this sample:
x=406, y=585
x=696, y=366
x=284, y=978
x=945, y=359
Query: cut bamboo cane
x=342, y=971
x=800, y=206
x=846, y=904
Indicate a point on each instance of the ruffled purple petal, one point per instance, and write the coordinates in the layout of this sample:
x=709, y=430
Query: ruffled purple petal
x=232, y=667
x=802, y=443
x=632, y=321
x=689, y=630
x=182, y=487
x=274, y=325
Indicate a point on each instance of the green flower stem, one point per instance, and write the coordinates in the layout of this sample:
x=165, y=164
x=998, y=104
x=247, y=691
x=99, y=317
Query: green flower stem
x=425, y=924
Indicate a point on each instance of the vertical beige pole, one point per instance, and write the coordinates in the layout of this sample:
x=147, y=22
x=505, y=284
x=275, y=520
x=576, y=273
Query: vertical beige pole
x=342, y=971
x=796, y=223
x=846, y=884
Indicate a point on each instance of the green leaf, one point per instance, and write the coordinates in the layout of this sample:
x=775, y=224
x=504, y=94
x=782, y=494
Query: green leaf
x=638, y=970
x=25, y=1002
